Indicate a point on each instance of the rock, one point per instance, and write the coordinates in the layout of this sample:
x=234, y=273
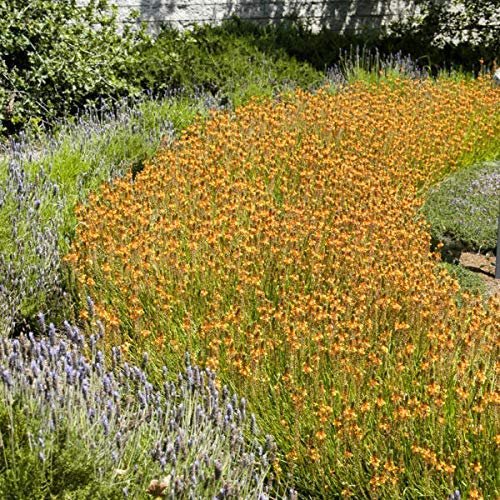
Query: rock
x=452, y=249
x=156, y=487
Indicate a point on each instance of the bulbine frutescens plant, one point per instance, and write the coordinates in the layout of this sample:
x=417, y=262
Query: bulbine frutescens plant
x=73, y=423
x=282, y=245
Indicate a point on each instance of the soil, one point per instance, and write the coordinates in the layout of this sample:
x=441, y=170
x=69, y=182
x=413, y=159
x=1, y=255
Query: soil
x=485, y=267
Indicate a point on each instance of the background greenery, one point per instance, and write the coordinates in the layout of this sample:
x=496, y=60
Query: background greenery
x=57, y=57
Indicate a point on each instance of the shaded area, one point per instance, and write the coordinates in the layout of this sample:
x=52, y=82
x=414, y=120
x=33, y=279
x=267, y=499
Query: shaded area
x=341, y=16
x=317, y=31
x=484, y=267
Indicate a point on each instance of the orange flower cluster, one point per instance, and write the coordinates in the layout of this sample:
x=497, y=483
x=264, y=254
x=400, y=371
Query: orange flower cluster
x=281, y=245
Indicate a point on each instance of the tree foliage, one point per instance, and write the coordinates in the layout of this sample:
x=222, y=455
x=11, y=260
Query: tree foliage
x=58, y=56
x=456, y=22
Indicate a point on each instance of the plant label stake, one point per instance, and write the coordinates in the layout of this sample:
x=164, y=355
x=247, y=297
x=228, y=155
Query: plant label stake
x=496, y=81
x=497, y=267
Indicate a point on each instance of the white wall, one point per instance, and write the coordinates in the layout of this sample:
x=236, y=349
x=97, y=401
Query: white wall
x=339, y=15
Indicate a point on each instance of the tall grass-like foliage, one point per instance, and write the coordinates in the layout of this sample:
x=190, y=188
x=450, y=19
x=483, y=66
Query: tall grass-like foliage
x=43, y=178
x=281, y=244
x=74, y=425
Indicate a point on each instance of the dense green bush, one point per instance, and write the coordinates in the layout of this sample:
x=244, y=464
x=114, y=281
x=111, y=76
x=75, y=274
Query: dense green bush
x=423, y=38
x=222, y=61
x=322, y=49
x=57, y=56
x=458, y=22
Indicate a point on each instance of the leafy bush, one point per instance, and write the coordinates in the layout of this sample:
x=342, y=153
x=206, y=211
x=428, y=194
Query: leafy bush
x=458, y=23
x=292, y=37
x=415, y=37
x=74, y=425
x=215, y=59
x=463, y=208
x=57, y=56
x=458, y=33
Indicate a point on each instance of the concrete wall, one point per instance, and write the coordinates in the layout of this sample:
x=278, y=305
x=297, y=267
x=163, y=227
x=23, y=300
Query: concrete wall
x=339, y=15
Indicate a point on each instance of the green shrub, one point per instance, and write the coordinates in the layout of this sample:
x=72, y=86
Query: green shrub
x=219, y=60
x=321, y=50
x=463, y=208
x=57, y=56
x=325, y=49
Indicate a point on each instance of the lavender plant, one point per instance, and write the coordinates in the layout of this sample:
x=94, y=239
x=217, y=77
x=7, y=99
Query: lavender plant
x=369, y=65
x=43, y=178
x=30, y=222
x=75, y=425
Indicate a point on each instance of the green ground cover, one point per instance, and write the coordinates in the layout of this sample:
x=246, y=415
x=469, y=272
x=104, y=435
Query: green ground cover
x=464, y=207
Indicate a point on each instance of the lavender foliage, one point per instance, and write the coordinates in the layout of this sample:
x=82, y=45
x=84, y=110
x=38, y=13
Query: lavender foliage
x=42, y=178
x=361, y=62
x=29, y=241
x=114, y=427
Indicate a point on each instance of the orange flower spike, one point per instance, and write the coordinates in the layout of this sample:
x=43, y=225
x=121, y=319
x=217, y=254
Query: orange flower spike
x=300, y=215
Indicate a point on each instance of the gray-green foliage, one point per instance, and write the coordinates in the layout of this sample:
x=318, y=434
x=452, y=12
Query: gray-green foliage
x=464, y=207
x=469, y=281
x=74, y=424
x=31, y=219
x=55, y=56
